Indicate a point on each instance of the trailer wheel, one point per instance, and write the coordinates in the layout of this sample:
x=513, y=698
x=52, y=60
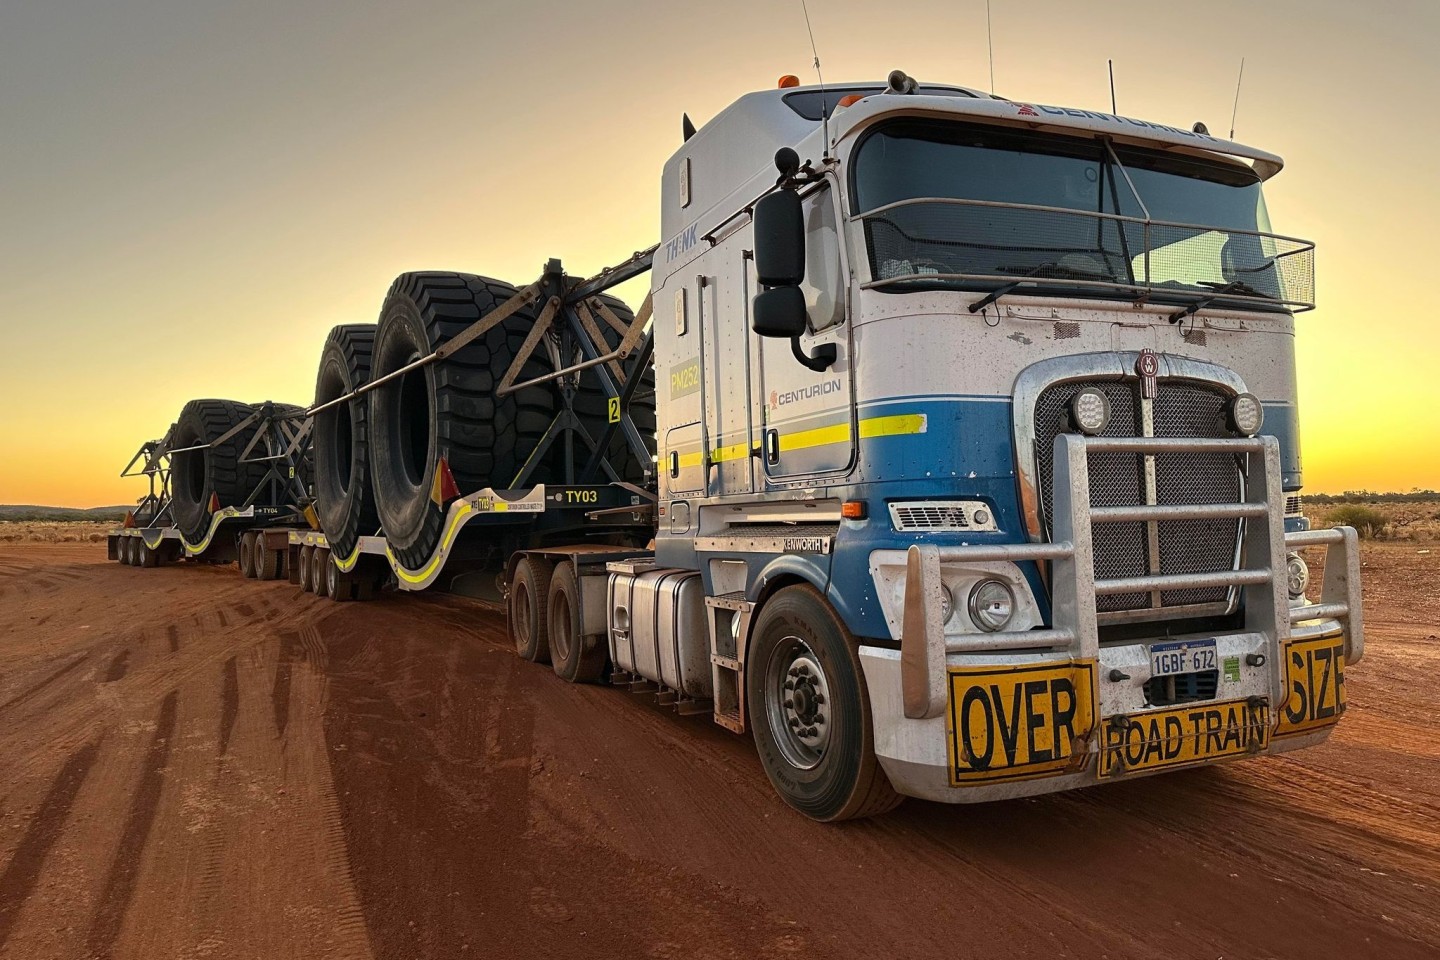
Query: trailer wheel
x=267, y=562
x=446, y=410
x=147, y=558
x=307, y=569
x=529, y=600
x=247, y=554
x=810, y=711
x=575, y=657
x=319, y=560
x=127, y=556
x=344, y=497
x=197, y=475
x=337, y=584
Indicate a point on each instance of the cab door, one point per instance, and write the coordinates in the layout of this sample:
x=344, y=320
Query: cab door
x=724, y=295
x=808, y=427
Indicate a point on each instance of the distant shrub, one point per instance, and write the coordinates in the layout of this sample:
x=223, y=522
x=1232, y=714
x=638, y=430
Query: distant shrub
x=1367, y=521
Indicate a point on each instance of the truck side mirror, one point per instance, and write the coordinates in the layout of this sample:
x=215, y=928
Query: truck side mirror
x=779, y=312
x=780, y=239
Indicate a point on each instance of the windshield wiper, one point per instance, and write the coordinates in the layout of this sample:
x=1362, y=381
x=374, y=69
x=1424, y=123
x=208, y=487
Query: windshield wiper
x=1050, y=270
x=1219, y=290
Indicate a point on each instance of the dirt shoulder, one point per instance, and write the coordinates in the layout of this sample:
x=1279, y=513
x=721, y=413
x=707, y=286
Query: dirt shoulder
x=195, y=765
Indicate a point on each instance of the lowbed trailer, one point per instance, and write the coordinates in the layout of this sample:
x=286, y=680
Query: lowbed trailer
x=953, y=454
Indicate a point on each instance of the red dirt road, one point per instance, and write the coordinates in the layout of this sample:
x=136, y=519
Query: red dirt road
x=193, y=765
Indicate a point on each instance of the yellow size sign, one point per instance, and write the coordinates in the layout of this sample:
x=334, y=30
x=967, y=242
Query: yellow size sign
x=1315, y=684
x=1018, y=722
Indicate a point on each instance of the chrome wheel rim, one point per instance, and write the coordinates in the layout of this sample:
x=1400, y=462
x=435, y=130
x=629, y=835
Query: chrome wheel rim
x=797, y=703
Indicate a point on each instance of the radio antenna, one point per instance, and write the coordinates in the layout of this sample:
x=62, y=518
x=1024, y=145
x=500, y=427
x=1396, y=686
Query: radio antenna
x=990, y=45
x=1111, y=65
x=1236, y=110
x=824, y=100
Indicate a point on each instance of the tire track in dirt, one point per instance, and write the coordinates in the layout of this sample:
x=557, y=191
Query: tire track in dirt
x=40, y=687
x=229, y=703
x=125, y=867
x=26, y=862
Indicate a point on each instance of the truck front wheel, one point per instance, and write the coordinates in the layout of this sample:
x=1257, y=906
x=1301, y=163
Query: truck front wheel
x=810, y=711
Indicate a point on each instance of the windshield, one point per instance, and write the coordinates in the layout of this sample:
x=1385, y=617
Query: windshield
x=972, y=205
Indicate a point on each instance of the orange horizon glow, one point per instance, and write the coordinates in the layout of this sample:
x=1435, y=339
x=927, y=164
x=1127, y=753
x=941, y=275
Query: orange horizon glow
x=193, y=197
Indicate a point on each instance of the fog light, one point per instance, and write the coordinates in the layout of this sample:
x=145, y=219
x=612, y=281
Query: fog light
x=992, y=604
x=1297, y=576
x=1246, y=414
x=1090, y=411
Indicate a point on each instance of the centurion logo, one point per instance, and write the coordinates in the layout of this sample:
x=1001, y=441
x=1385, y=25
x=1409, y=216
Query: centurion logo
x=1039, y=110
x=784, y=397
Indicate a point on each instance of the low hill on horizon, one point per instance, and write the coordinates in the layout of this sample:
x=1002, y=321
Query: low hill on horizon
x=31, y=513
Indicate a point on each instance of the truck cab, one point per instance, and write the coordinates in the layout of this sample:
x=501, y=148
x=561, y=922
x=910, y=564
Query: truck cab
x=977, y=421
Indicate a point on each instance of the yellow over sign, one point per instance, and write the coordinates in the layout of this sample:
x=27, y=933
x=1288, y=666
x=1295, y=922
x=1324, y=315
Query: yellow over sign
x=1019, y=722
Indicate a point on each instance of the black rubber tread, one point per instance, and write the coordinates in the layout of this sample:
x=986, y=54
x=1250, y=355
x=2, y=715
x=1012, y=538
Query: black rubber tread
x=531, y=584
x=267, y=562
x=484, y=438
x=346, y=507
x=338, y=586
x=148, y=558
x=584, y=661
x=199, y=473
x=307, y=569
x=245, y=555
x=848, y=783
x=319, y=560
x=592, y=405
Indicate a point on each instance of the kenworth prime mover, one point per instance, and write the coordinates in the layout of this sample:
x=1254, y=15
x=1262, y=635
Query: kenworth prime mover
x=952, y=455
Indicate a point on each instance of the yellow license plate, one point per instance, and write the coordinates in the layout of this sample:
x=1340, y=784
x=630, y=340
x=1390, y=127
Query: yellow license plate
x=1013, y=723
x=1194, y=733
x=1315, y=681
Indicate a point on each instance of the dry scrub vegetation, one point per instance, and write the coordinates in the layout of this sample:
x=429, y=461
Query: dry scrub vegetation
x=53, y=531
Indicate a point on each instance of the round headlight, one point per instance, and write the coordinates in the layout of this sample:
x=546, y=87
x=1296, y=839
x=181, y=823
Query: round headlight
x=1090, y=411
x=947, y=604
x=1246, y=414
x=1297, y=576
x=992, y=604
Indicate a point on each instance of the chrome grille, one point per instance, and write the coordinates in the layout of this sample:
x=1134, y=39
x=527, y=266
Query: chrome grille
x=1182, y=408
x=1292, y=505
x=942, y=516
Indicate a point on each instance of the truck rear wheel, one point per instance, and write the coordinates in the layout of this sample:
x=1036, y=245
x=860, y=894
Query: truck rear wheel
x=247, y=555
x=196, y=475
x=319, y=560
x=307, y=569
x=575, y=657
x=268, y=563
x=344, y=498
x=810, y=711
x=446, y=410
x=529, y=600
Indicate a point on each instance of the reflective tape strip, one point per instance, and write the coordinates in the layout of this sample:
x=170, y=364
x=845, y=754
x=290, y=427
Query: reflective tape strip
x=900, y=424
x=347, y=564
x=425, y=573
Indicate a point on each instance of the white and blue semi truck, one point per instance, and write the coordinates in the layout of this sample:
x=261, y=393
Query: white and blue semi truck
x=954, y=453
x=977, y=429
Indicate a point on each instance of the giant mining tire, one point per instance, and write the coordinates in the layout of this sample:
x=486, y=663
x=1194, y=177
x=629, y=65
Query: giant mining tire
x=197, y=474
x=592, y=404
x=446, y=410
x=344, y=498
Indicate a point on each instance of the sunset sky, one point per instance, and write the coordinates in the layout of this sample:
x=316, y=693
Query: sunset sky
x=193, y=192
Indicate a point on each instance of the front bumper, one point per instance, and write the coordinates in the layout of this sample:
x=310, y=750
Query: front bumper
x=988, y=716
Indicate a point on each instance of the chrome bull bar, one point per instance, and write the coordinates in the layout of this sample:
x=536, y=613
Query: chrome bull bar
x=1074, y=633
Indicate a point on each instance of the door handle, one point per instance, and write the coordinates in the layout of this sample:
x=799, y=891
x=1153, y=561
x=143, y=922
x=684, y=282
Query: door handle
x=772, y=446
x=674, y=463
